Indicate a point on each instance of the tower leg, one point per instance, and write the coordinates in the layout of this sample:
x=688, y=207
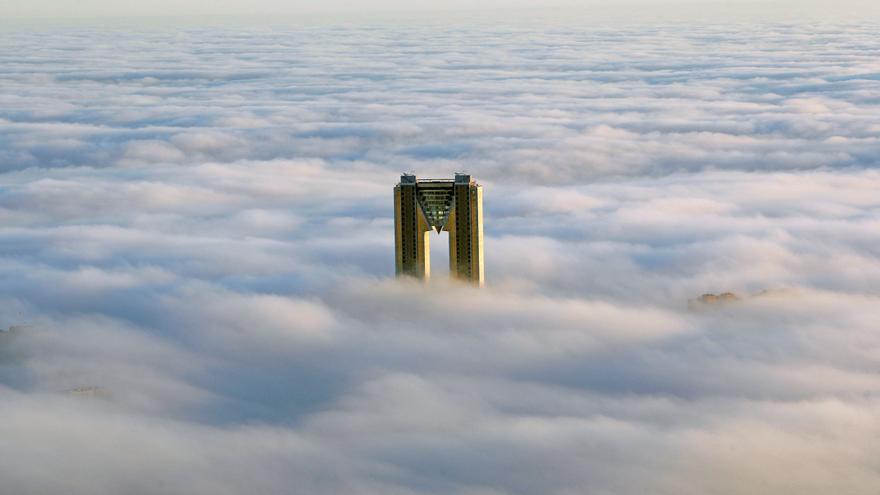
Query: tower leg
x=412, y=255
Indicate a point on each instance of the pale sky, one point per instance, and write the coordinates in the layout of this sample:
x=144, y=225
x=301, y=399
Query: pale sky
x=100, y=8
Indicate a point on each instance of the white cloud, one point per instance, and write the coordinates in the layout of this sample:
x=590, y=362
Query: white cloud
x=198, y=223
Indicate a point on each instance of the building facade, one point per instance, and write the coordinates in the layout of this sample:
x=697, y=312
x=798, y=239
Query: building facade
x=423, y=205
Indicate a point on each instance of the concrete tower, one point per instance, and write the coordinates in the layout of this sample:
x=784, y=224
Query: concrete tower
x=455, y=206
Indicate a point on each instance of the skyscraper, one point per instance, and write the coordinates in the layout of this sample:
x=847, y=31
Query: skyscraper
x=455, y=206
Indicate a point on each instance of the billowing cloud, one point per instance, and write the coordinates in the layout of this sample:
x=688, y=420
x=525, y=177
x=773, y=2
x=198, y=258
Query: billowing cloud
x=196, y=247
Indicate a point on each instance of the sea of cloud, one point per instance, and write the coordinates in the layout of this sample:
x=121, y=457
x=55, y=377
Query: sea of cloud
x=196, y=233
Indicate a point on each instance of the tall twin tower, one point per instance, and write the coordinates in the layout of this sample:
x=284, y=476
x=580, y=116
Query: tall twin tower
x=423, y=205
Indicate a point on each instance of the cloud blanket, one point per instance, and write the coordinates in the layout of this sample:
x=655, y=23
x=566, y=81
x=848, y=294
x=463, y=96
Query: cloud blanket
x=196, y=251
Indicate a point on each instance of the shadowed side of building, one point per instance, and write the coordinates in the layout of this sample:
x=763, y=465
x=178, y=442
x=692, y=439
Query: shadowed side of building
x=412, y=247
